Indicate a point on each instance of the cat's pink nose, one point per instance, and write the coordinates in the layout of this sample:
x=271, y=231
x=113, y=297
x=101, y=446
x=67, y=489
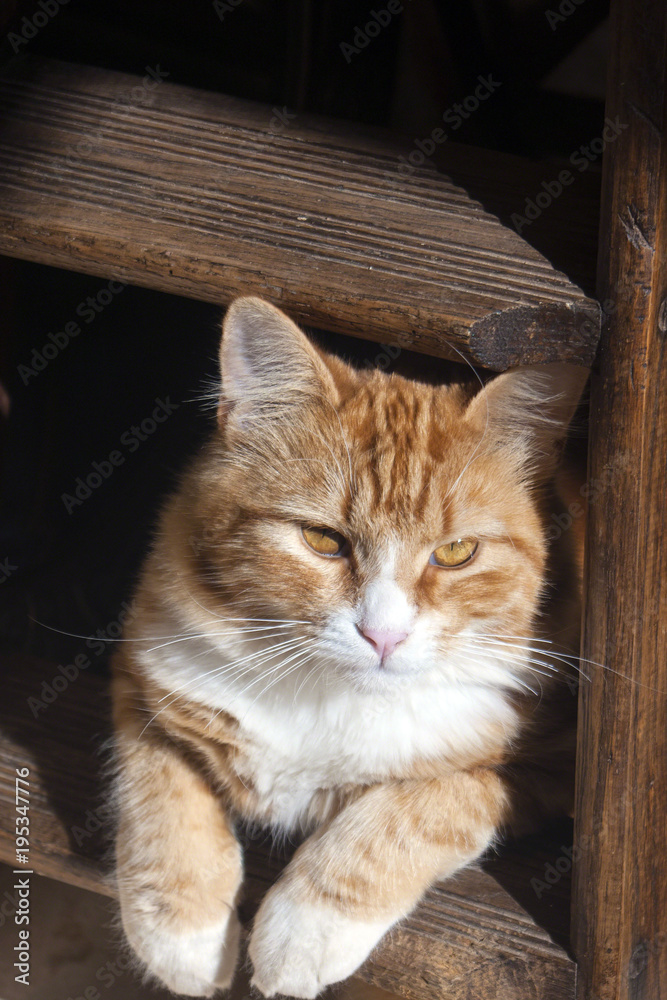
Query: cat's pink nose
x=383, y=642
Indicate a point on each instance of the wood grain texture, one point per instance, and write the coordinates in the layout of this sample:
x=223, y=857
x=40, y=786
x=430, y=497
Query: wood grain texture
x=209, y=197
x=620, y=895
x=468, y=938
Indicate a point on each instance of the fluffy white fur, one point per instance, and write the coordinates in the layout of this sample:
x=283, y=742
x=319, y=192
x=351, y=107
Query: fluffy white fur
x=299, y=948
x=193, y=965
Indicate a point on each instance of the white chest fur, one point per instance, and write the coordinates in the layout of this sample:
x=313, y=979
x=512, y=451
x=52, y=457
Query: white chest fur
x=331, y=735
x=351, y=738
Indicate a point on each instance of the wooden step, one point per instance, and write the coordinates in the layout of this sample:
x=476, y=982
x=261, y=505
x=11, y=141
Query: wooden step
x=469, y=937
x=211, y=197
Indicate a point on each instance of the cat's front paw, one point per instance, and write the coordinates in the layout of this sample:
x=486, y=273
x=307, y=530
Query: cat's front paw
x=298, y=948
x=194, y=964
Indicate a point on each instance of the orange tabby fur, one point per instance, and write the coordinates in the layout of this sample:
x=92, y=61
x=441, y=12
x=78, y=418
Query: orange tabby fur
x=397, y=468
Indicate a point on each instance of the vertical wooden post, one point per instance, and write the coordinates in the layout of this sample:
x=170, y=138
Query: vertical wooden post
x=620, y=888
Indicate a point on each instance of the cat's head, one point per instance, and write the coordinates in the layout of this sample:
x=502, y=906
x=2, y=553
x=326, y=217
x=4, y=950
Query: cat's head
x=400, y=524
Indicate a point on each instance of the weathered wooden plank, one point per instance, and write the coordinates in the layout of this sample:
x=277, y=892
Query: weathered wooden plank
x=468, y=937
x=620, y=897
x=209, y=197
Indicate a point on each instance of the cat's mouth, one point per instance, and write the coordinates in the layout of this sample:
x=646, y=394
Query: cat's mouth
x=393, y=674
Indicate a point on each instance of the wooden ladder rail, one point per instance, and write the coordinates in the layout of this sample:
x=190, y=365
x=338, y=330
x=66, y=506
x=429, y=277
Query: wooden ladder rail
x=202, y=195
x=620, y=886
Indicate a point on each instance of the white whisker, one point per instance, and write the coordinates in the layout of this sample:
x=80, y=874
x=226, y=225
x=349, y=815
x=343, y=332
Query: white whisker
x=525, y=662
x=196, y=682
x=281, y=676
x=260, y=656
x=251, y=632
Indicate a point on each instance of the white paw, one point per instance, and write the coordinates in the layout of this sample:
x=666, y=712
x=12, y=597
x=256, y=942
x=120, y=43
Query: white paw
x=299, y=948
x=194, y=965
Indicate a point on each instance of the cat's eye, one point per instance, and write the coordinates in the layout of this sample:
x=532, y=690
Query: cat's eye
x=454, y=554
x=325, y=541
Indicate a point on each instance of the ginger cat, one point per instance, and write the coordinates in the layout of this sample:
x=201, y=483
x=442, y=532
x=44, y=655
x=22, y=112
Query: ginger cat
x=350, y=626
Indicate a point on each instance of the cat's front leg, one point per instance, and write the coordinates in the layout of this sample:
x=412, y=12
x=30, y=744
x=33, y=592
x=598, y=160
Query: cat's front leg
x=365, y=870
x=178, y=864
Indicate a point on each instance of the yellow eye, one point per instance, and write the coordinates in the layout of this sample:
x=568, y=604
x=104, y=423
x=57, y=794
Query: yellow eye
x=454, y=554
x=325, y=541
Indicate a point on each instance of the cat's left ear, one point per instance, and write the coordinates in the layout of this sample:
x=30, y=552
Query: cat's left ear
x=527, y=411
x=268, y=367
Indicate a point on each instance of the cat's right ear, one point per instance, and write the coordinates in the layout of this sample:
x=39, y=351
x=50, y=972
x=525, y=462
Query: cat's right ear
x=268, y=367
x=527, y=411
